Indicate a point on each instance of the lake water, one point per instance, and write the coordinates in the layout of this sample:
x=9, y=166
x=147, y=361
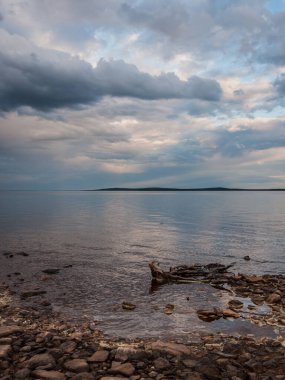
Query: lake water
x=110, y=237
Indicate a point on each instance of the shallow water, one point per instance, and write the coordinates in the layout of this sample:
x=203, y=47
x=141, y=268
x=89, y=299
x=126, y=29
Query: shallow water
x=109, y=239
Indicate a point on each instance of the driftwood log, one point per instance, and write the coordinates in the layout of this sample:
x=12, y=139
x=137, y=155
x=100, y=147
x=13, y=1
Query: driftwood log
x=211, y=273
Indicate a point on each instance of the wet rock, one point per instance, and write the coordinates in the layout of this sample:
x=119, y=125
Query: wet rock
x=253, y=279
x=169, y=308
x=32, y=293
x=83, y=376
x=77, y=365
x=99, y=356
x=24, y=254
x=235, y=304
x=247, y=258
x=161, y=363
x=113, y=378
x=5, y=341
x=68, y=346
x=51, y=271
x=125, y=369
x=128, y=306
x=40, y=360
x=174, y=349
x=133, y=353
x=9, y=330
x=189, y=363
x=210, y=371
x=4, y=351
x=228, y=313
x=209, y=315
x=273, y=298
x=45, y=303
x=121, y=357
x=22, y=374
x=48, y=375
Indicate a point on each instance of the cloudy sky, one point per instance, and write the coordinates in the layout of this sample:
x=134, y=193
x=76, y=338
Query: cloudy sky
x=101, y=93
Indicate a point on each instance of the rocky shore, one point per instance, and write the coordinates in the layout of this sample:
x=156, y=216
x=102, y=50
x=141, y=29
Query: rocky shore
x=36, y=344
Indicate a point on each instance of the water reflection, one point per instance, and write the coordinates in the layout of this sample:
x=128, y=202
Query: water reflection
x=109, y=239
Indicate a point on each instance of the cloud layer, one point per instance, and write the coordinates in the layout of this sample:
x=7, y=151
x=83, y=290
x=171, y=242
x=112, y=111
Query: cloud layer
x=126, y=93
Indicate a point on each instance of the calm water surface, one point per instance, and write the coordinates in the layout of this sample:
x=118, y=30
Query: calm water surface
x=109, y=239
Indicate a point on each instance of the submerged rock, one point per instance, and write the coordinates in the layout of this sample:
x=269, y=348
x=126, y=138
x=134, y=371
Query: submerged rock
x=128, y=306
x=51, y=271
x=169, y=308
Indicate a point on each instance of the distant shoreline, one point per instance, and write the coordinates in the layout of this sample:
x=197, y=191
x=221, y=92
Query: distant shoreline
x=178, y=189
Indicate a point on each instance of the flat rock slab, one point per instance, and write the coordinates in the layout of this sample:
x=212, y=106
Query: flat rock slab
x=174, y=349
x=99, y=356
x=4, y=351
x=77, y=365
x=9, y=330
x=48, y=375
x=41, y=360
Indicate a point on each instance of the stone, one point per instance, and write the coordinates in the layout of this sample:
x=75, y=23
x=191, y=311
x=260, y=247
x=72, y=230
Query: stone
x=174, y=349
x=121, y=357
x=209, y=315
x=125, y=369
x=6, y=340
x=133, y=353
x=161, y=363
x=9, y=330
x=189, y=363
x=99, y=356
x=128, y=306
x=4, y=351
x=211, y=372
x=51, y=271
x=40, y=360
x=235, y=304
x=68, y=346
x=247, y=258
x=253, y=279
x=22, y=374
x=83, y=376
x=113, y=378
x=228, y=313
x=273, y=298
x=48, y=375
x=32, y=293
x=194, y=376
x=77, y=365
x=169, y=308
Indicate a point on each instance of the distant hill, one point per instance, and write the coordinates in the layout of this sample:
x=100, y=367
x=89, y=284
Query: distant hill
x=177, y=189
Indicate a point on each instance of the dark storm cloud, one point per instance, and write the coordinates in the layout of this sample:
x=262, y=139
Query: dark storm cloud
x=46, y=79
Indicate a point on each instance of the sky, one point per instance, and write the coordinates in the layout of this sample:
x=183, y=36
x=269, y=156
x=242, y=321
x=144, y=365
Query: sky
x=136, y=93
